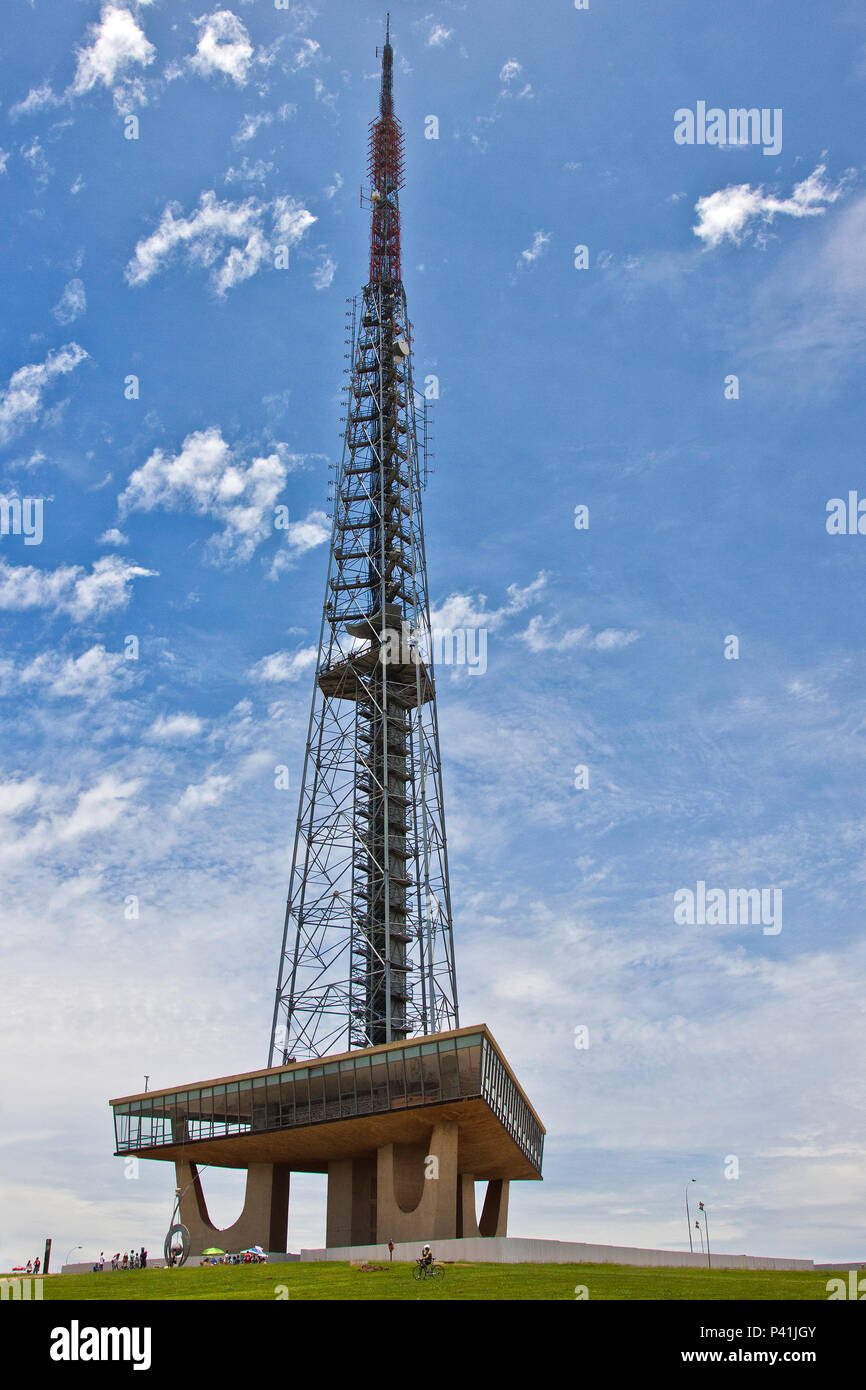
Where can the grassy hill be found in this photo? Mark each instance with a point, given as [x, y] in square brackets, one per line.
[487, 1282]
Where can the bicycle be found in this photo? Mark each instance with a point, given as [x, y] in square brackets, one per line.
[433, 1271]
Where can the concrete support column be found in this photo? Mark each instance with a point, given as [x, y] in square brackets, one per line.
[467, 1222]
[416, 1199]
[352, 1201]
[494, 1213]
[264, 1219]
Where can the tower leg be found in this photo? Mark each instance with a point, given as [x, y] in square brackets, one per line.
[264, 1219]
[494, 1213]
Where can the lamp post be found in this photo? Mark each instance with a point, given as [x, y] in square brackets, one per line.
[688, 1217]
[702, 1208]
[75, 1247]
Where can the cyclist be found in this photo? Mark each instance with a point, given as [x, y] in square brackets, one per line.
[426, 1259]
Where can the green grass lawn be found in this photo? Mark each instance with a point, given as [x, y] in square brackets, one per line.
[487, 1282]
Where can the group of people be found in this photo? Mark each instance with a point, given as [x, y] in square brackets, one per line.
[33, 1266]
[247, 1257]
[130, 1259]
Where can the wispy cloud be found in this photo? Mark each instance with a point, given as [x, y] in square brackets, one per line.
[283, 666]
[70, 589]
[532, 253]
[738, 211]
[21, 399]
[175, 728]
[92, 676]
[311, 531]
[72, 303]
[40, 98]
[323, 275]
[468, 611]
[204, 236]
[544, 635]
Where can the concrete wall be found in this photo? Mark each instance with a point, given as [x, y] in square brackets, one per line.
[511, 1250]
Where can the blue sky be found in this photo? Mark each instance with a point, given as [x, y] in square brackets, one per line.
[153, 778]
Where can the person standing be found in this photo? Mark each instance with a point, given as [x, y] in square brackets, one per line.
[142, 1259]
[37, 1265]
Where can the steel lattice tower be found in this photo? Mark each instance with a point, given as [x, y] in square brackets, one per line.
[367, 953]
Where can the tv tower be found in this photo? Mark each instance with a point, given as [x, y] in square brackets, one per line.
[371, 1078]
[367, 954]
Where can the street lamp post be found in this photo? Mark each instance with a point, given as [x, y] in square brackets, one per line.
[702, 1208]
[75, 1247]
[688, 1217]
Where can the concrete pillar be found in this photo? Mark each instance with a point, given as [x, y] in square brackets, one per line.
[352, 1201]
[417, 1199]
[494, 1213]
[467, 1223]
[264, 1219]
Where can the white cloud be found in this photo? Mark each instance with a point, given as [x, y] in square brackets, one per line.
[117, 45]
[438, 36]
[210, 792]
[732, 212]
[323, 275]
[113, 537]
[79, 886]
[464, 611]
[93, 675]
[70, 589]
[204, 235]
[223, 46]
[305, 54]
[21, 399]
[98, 808]
[613, 639]
[301, 536]
[35, 157]
[174, 728]
[283, 666]
[208, 477]
[252, 124]
[305, 535]
[37, 99]
[541, 635]
[72, 303]
[4, 160]
[249, 173]
[539, 241]
[510, 70]
[16, 796]
[812, 309]
[334, 188]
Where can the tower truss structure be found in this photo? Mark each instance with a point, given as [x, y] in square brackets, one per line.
[367, 955]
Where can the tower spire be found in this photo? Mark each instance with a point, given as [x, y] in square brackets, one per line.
[385, 168]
